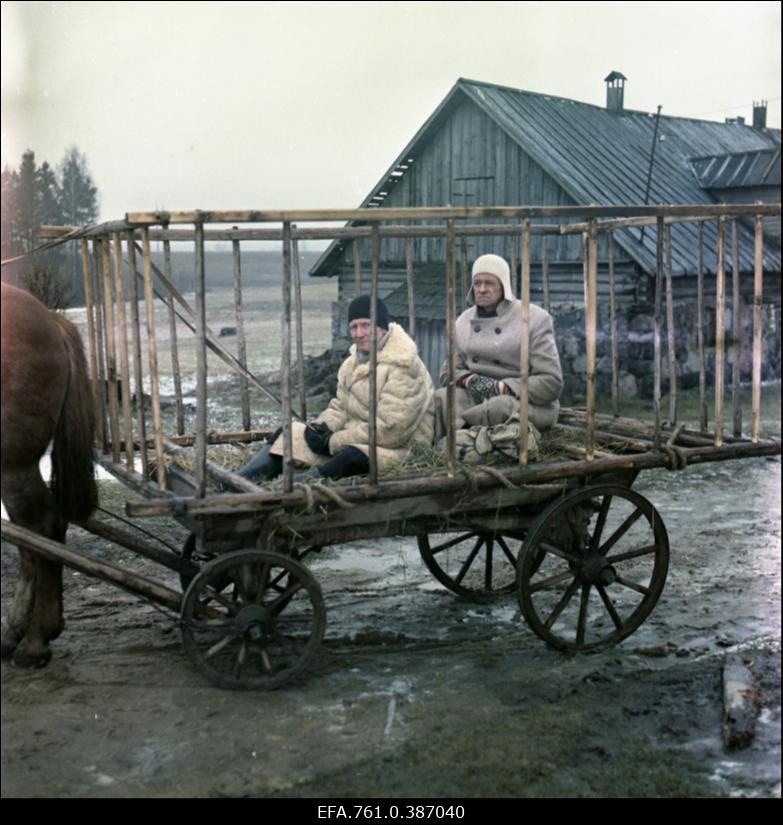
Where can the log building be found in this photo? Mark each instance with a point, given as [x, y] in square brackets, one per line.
[489, 145]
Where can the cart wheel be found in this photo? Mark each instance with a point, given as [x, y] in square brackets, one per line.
[475, 564]
[592, 568]
[252, 619]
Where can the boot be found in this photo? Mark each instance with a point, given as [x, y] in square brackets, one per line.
[263, 466]
[303, 478]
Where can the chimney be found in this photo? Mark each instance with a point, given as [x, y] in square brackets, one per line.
[760, 115]
[615, 85]
[739, 120]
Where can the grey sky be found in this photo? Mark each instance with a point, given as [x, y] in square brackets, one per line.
[296, 105]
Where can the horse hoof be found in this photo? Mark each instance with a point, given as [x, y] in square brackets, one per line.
[28, 660]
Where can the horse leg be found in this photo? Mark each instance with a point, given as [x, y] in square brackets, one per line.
[17, 620]
[36, 615]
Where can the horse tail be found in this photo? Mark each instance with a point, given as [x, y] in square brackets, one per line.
[73, 474]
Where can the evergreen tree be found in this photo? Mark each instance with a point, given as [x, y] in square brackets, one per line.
[8, 225]
[27, 203]
[33, 196]
[50, 211]
[78, 193]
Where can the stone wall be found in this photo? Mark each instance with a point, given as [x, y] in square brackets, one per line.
[636, 349]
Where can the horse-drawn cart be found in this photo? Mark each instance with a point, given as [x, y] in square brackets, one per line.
[585, 555]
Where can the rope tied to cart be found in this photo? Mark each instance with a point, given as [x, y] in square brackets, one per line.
[497, 475]
[678, 459]
[309, 491]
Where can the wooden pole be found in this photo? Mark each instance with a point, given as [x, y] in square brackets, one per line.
[373, 420]
[720, 329]
[103, 426]
[54, 551]
[175, 371]
[465, 269]
[411, 289]
[138, 374]
[524, 344]
[613, 327]
[161, 555]
[736, 326]
[111, 351]
[357, 265]
[703, 415]
[671, 331]
[657, 330]
[122, 329]
[241, 341]
[152, 355]
[442, 213]
[545, 271]
[516, 278]
[451, 315]
[201, 365]
[89, 303]
[757, 298]
[591, 331]
[299, 341]
[285, 328]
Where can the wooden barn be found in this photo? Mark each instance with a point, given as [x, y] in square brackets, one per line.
[489, 145]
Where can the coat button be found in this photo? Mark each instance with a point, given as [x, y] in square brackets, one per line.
[498, 330]
[475, 359]
[496, 362]
[476, 328]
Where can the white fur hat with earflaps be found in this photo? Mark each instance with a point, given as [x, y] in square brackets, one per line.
[492, 265]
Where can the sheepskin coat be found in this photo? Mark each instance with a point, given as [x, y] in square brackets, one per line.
[406, 411]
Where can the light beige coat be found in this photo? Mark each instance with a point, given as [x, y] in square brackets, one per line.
[405, 410]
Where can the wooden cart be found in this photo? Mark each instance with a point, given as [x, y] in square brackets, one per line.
[584, 553]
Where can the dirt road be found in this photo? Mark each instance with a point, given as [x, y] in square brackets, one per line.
[416, 693]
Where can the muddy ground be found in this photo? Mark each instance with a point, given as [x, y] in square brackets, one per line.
[416, 693]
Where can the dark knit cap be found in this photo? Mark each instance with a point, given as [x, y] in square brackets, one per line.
[360, 308]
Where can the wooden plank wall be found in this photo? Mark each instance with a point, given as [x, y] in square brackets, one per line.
[468, 145]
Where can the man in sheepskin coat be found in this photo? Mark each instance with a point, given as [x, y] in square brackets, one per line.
[336, 444]
[487, 338]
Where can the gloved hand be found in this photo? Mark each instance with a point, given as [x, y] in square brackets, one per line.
[481, 387]
[317, 436]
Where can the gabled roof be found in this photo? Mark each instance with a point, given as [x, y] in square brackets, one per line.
[598, 157]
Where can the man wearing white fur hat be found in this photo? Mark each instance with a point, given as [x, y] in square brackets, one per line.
[487, 339]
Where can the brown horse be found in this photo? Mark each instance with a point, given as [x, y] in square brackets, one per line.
[46, 394]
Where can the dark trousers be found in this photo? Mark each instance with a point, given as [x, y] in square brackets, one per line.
[348, 462]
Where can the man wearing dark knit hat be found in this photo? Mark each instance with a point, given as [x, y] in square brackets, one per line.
[336, 444]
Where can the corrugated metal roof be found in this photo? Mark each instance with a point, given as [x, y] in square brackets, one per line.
[739, 170]
[602, 157]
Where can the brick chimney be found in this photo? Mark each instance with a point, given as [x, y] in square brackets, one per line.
[615, 87]
[760, 114]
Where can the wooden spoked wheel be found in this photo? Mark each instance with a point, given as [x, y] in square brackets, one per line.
[475, 564]
[253, 619]
[592, 568]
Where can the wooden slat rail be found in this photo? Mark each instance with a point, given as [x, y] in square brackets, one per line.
[430, 485]
[440, 213]
[447, 223]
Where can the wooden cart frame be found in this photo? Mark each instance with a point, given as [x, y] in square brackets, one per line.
[586, 555]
